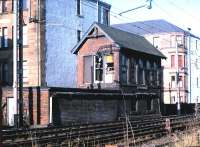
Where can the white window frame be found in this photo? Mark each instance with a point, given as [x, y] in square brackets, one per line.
[94, 63]
[110, 72]
[156, 41]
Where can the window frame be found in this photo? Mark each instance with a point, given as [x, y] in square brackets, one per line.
[101, 68]
[172, 61]
[79, 7]
[156, 41]
[173, 81]
[79, 35]
[109, 68]
[180, 61]
[25, 5]
[4, 8]
[179, 39]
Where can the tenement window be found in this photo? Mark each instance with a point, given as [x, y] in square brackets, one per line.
[172, 41]
[179, 39]
[103, 15]
[156, 42]
[3, 6]
[78, 7]
[173, 83]
[180, 79]
[180, 61]
[172, 61]
[79, 35]
[25, 4]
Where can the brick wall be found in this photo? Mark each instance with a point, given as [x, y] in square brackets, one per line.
[34, 50]
[97, 108]
[90, 47]
[36, 105]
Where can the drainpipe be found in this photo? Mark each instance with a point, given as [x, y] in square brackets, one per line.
[50, 110]
[189, 64]
[20, 44]
[15, 56]
[177, 81]
[38, 40]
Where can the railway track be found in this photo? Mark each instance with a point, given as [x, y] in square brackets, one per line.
[140, 129]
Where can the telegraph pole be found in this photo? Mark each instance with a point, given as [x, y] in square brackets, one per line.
[15, 56]
[177, 82]
[20, 65]
[190, 77]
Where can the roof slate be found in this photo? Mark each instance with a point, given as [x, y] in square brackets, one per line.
[151, 27]
[130, 41]
[124, 40]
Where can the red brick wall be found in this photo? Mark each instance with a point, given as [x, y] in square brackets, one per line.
[33, 52]
[36, 105]
[90, 47]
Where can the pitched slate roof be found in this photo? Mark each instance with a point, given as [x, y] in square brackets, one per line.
[151, 27]
[124, 40]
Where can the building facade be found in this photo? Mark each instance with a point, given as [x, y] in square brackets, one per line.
[176, 44]
[194, 69]
[109, 58]
[64, 28]
[50, 30]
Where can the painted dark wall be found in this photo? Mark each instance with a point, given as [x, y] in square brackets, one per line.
[87, 109]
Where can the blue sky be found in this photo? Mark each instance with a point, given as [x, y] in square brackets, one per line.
[183, 13]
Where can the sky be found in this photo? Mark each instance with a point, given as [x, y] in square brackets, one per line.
[183, 13]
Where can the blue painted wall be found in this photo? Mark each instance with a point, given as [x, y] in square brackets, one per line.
[62, 24]
[195, 70]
